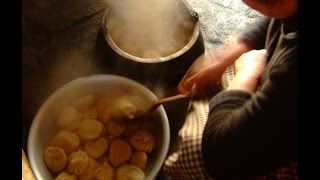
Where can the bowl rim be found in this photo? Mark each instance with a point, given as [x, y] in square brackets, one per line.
[100, 77]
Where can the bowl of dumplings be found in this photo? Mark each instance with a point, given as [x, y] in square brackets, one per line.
[87, 130]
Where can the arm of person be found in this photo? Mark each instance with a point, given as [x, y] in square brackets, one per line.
[207, 70]
[249, 133]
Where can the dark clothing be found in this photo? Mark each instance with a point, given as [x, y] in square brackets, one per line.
[249, 134]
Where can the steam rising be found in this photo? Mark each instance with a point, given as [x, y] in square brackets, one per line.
[150, 28]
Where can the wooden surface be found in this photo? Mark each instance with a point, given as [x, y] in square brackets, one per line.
[26, 171]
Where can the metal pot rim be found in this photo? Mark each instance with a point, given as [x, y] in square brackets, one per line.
[192, 41]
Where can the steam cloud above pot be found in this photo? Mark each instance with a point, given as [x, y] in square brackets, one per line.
[150, 29]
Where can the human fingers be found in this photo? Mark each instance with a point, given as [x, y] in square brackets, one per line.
[185, 85]
[251, 62]
[249, 68]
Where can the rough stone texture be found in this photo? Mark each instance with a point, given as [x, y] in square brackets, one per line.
[60, 41]
[220, 19]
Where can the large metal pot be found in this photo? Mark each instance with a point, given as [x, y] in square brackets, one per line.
[167, 70]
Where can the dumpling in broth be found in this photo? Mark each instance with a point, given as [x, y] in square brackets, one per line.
[69, 119]
[120, 152]
[116, 129]
[89, 173]
[104, 172]
[90, 114]
[67, 140]
[96, 148]
[66, 176]
[55, 159]
[123, 110]
[84, 103]
[78, 162]
[139, 159]
[129, 171]
[143, 141]
[90, 129]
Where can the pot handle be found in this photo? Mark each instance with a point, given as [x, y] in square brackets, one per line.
[193, 13]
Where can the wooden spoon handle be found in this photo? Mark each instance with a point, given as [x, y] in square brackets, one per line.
[171, 98]
[157, 103]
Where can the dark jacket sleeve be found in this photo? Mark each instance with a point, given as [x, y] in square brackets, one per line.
[256, 35]
[248, 134]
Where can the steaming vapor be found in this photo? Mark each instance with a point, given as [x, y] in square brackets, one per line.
[150, 28]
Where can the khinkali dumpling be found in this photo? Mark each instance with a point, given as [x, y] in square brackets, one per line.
[116, 129]
[55, 159]
[123, 110]
[78, 162]
[137, 101]
[104, 103]
[101, 104]
[139, 159]
[131, 129]
[104, 172]
[89, 173]
[66, 176]
[143, 141]
[90, 129]
[96, 148]
[120, 152]
[129, 172]
[90, 114]
[110, 137]
[84, 103]
[66, 140]
[69, 119]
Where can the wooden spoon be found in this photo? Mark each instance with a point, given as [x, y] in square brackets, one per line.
[155, 104]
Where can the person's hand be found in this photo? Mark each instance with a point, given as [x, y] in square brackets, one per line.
[203, 75]
[206, 71]
[248, 70]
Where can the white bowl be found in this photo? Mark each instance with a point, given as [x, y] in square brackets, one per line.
[44, 126]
